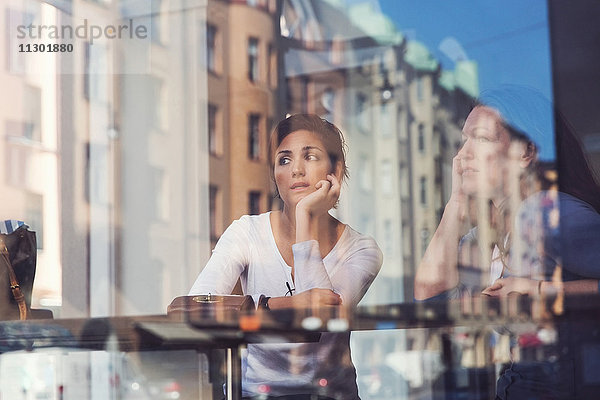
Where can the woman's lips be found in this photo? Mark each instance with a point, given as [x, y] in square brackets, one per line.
[299, 186]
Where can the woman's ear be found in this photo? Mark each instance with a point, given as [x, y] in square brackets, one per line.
[337, 171]
[529, 155]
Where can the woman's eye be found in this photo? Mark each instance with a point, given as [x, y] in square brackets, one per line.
[483, 139]
[311, 157]
[284, 161]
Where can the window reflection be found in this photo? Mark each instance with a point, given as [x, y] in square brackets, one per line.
[106, 164]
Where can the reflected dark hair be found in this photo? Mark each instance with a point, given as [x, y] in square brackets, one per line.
[328, 133]
[575, 176]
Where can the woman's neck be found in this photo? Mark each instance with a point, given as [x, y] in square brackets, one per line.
[325, 224]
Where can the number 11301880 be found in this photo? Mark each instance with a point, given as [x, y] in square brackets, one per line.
[45, 48]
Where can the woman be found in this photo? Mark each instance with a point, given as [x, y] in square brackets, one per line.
[300, 256]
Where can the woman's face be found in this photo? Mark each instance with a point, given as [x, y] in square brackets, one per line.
[301, 161]
[489, 160]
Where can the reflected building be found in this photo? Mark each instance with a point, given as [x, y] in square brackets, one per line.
[30, 145]
[243, 82]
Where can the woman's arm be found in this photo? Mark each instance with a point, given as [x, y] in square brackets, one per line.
[347, 283]
[227, 262]
[505, 286]
[438, 270]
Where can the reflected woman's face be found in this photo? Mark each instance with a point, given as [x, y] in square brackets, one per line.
[301, 160]
[489, 159]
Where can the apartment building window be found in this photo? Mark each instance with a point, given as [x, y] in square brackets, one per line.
[328, 103]
[211, 48]
[364, 173]
[254, 203]
[421, 138]
[386, 126]
[361, 112]
[386, 178]
[423, 190]
[213, 138]
[15, 62]
[35, 216]
[253, 59]
[159, 104]
[213, 193]
[253, 136]
[96, 66]
[19, 165]
[420, 89]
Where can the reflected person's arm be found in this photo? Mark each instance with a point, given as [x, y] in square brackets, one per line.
[505, 286]
[438, 270]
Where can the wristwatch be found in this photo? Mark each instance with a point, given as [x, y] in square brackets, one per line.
[263, 302]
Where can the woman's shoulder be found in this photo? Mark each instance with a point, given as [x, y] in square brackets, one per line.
[249, 224]
[352, 241]
[253, 219]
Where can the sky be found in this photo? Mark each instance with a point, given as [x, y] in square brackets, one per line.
[508, 39]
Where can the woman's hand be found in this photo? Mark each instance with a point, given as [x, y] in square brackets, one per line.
[316, 298]
[314, 205]
[458, 199]
[322, 199]
[505, 286]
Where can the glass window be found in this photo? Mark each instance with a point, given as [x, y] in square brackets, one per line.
[130, 156]
[253, 59]
[328, 103]
[254, 203]
[387, 184]
[421, 138]
[254, 136]
[362, 112]
[420, 89]
[387, 120]
[211, 48]
[365, 173]
[213, 138]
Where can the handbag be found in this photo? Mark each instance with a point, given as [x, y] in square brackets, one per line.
[18, 255]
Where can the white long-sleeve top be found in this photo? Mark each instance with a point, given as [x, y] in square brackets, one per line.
[247, 250]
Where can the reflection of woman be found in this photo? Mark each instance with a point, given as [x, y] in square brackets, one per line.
[301, 249]
[518, 232]
[522, 234]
